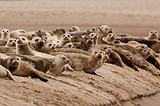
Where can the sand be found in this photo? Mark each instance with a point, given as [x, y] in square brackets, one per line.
[136, 17]
[117, 86]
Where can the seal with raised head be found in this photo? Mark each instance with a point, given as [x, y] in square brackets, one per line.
[153, 34]
[5, 34]
[22, 47]
[11, 43]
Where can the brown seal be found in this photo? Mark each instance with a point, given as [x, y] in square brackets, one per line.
[21, 68]
[11, 43]
[153, 34]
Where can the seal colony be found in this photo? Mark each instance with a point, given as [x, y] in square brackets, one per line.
[42, 53]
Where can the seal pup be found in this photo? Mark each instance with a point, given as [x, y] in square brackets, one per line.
[110, 37]
[36, 43]
[66, 38]
[94, 36]
[48, 48]
[5, 34]
[61, 62]
[11, 43]
[153, 34]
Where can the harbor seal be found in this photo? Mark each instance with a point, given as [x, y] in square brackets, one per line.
[11, 43]
[5, 34]
[22, 47]
[21, 68]
[153, 34]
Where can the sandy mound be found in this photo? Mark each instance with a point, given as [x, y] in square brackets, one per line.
[116, 85]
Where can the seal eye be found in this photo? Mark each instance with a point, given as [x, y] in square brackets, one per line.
[50, 44]
[39, 31]
[109, 34]
[127, 55]
[95, 52]
[64, 35]
[145, 50]
[37, 40]
[57, 41]
[100, 52]
[86, 38]
[70, 45]
[15, 40]
[12, 60]
[10, 41]
[92, 35]
[91, 38]
[50, 62]
[151, 32]
[7, 31]
[155, 32]
[23, 38]
[17, 58]
[63, 58]
[3, 30]
[54, 45]
[105, 48]
[32, 35]
[76, 38]
[93, 29]
[142, 46]
[68, 36]
[45, 37]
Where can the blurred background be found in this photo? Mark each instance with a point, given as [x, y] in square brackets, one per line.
[136, 17]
